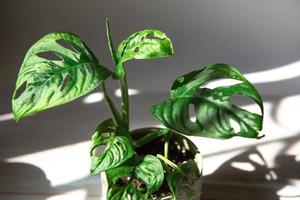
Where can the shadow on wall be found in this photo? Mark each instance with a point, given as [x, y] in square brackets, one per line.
[246, 176]
[24, 181]
[19, 180]
[249, 177]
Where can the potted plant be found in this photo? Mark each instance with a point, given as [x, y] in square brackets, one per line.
[150, 163]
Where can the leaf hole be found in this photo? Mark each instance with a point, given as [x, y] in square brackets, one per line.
[65, 82]
[152, 37]
[98, 150]
[122, 181]
[66, 45]
[245, 103]
[256, 158]
[139, 184]
[221, 82]
[20, 90]
[235, 125]
[192, 113]
[48, 55]
[31, 98]
[243, 166]
[136, 49]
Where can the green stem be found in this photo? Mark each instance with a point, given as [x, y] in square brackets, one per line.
[168, 162]
[166, 149]
[110, 43]
[125, 102]
[113, 108]
[123, 81]
[166, 145]
[149, 137]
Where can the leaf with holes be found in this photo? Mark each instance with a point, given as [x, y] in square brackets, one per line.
[135, 179]
[151, 172]
[57, 69]
[108, 150]
[215, 116]
[122, 183]
[146, 44]
[185, 184]
[104, 131]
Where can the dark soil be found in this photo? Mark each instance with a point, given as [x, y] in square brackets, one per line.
[178, 154]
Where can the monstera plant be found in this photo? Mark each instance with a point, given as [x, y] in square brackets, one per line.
[150, 163]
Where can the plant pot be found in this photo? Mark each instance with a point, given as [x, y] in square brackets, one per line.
[181, 150]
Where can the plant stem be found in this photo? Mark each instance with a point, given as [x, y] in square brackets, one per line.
[166, 149]
[113, 108]
[149, 137]
[166, 145]
[168, 162]
[123, 81]
[125, 101]
[110, 43]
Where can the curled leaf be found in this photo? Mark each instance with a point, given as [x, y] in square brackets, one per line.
[214, 112]
[146, 44]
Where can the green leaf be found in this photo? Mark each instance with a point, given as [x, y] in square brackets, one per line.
[185, 184]
[127, 168]
[127, 189]
[114, 149]
[215, 114]
[57, 69]
[146, 44]
[151, 172]
[125, 192]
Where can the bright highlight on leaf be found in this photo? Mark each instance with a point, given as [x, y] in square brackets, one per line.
[57, 69]
[151, 172]
[117, 149]
[213, 109]
[146, 44]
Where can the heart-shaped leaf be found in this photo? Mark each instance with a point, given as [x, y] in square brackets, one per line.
[108, 150]
[151, 172]
[57, 69]
[144, 44]
[215, 116]
[185, 184]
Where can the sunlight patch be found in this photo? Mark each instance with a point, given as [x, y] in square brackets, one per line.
[93, 98]
[6, 117]
[131, 92]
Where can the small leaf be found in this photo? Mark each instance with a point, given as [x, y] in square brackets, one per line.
[117, 149]
[151, 172]
[57, 69]
[125, 192]
[213, 109]
[120, 181]
[146, 44]
[127, 168]
[185, 185]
